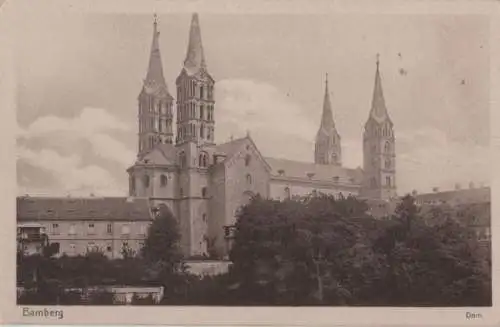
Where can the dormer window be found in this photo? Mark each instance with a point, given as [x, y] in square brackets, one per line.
[281, 172]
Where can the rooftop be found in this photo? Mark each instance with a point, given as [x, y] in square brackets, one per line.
[92, 208]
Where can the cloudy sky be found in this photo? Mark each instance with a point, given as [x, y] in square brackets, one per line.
[79, 77]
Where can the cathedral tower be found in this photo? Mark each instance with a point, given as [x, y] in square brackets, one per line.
[194, 144]
[195, 102]
[155, 102]
[379, 152]
[328, 148]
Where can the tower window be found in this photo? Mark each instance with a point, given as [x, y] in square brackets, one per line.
[203, 160]
[163, 180]
[201, 92]
[387, 147]
[204, 217]
[202, 111]
[146, 181]
[388, 181]
[249, 179]
[202, 131]
[387, 163]
[204, 192]
[182, 160]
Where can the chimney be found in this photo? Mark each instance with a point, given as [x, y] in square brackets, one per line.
[435, 189]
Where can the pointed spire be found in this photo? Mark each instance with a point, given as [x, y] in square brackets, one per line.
[378, 110]
[155, 68]
[327, 117]
[195, 59]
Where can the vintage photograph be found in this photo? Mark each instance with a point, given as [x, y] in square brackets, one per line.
[211, 159]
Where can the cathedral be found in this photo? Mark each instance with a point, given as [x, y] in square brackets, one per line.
[204, 183]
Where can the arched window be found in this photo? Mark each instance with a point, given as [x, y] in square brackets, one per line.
[387, 147]
[201, 92]
[163, 180]
[387, 163]
[287, 193]
[249, 179]
[202, 131]
[248, 158]
[204, 192]
[388, 181]
[132, 186]
[182, 160]
[203, 160]
[202, 111]
[145, 180]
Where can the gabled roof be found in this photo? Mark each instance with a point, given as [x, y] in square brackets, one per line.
[98, 208]
[230, 148]
[161, 154]
[312, 171]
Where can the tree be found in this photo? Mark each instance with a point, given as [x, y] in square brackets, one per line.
[161, 251]
[437, 264]
[302, 252]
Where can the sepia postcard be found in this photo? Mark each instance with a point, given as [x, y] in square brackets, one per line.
[264, 163]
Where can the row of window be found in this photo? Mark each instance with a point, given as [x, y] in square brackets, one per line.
[155, 125]
[190, 89]
[190, 130]
[157, 106]
[91, 229]
[387, 148]
[190, 110]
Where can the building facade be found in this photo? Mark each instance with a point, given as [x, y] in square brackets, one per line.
[79, 225]
[204, 183]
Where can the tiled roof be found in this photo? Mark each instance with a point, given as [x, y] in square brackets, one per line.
[230, 147]
[473, 195]
[307, 170]
[109, 208]
[161, 154]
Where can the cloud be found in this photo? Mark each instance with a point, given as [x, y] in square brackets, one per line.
[278, 125]
[57, 146]
[427, 158]
[281, 128]
[92, 125]
[69, 173]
